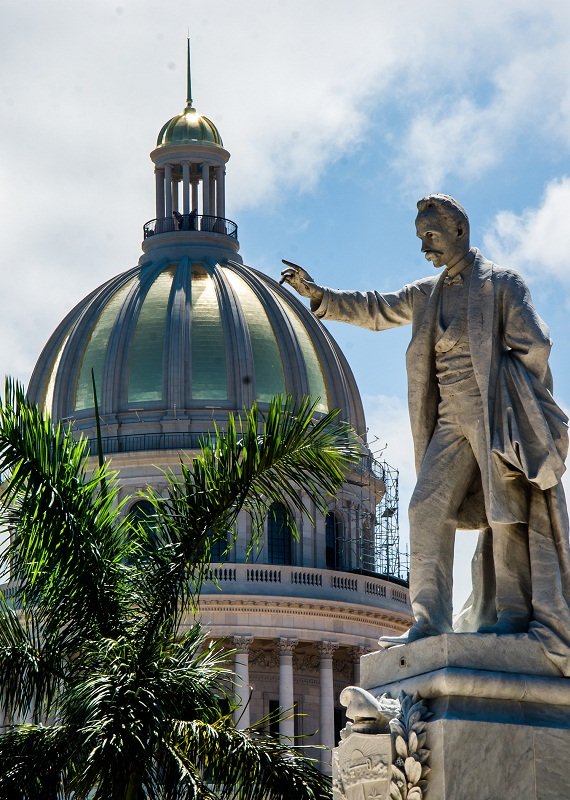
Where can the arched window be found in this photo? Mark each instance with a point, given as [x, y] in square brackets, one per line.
[142, 511]
[219, 550]
[279, 536]
[334, 531]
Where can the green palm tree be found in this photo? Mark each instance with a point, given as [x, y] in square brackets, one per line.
[103, 696]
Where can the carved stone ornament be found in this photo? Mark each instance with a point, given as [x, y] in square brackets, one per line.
[242, 644]
[267, 659]
[368, 714]
[371, 763]
[361, 767]
[410, 767]
[327, 649]
[287, 646]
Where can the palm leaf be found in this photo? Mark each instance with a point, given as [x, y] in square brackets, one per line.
[283, 456]
[246, 765]
[68, 543]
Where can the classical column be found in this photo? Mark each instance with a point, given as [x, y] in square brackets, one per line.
[205, 190]
[175, 195]
[243, 689]
[194, 194]
[159, 182]
[212, 192]
[168, 190]
[220, 192]
[286, 696]
[185, 187]
[356, 654]
[326, 728]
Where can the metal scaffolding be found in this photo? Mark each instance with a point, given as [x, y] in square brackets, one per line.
[367, 530]
[389, 559]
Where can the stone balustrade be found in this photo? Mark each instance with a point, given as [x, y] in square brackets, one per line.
[307, 582]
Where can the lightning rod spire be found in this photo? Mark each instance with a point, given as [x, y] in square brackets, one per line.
[188, 79]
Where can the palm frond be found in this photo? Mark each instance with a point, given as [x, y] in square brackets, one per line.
[285, 456]
[34, 759]
[68, 543]
[246, 765]
[30, 668]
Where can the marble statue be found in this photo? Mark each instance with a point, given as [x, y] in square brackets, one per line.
[490, 442]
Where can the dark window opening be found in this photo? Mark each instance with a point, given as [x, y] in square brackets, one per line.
[334, 531]
[279, 535]
[143, 513]
[273, 728]
[339, 723]
[219, 549]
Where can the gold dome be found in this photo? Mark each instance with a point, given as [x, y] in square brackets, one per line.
[189, 128]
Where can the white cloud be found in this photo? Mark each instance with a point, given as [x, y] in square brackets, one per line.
[537, 241]
[293, 87]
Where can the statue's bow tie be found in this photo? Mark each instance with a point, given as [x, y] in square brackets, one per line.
[452, 280]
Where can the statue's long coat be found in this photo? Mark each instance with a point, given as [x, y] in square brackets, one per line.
[525, 430]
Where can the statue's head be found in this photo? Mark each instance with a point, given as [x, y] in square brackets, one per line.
[443, 227]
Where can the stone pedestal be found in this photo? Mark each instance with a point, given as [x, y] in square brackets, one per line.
[501, 714]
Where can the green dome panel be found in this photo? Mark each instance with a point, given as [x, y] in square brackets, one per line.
[267, 363]
[96, 350]
[315, 377]
[146, 352]
[209, 372]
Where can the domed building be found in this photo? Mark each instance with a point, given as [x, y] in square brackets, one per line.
[175, 344]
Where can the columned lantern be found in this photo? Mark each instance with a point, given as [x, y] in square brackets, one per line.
[190, 170]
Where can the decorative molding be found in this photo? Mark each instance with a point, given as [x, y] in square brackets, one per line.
[306, 662]
[257, 678]
[378, 619]
[344, 668]
[410, 767]
[303, 680]
[242, 644]
[264, 658]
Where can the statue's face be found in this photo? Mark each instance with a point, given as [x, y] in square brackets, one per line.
[443, 243]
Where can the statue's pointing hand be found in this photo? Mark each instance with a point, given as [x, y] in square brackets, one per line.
[300, 280]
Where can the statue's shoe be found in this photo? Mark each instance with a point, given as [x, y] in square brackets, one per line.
[507, 624]
[419, 630]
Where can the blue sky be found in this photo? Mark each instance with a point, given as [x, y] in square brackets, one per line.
[338, 118]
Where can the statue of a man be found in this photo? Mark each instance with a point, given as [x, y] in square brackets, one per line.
[489, 440]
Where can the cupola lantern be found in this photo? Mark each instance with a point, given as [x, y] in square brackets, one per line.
[190, 169]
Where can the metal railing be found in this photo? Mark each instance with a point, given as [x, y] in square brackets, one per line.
[139, 442]
[190, 222]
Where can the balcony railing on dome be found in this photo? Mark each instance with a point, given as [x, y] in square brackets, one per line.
[205, 223]
[139, 442]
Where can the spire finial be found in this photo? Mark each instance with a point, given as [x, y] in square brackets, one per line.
[188, 78]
